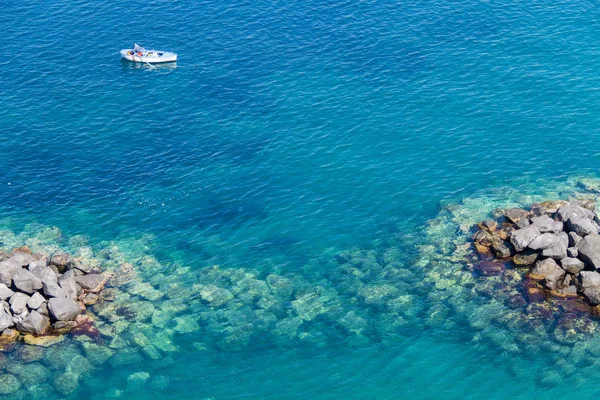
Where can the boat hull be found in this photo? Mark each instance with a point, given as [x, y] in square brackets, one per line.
[149, 56]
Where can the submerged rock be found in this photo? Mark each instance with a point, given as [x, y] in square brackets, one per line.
[9, 384]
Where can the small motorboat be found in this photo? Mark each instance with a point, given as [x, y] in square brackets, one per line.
[140, 54]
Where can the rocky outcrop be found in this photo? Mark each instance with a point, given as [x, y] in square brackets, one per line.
[559, 241]
[38, 296]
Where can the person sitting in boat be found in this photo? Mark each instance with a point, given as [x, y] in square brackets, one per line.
[137, 49]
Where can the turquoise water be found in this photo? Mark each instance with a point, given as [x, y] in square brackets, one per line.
[286, 134]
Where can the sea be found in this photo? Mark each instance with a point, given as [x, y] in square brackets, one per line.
[314, 140]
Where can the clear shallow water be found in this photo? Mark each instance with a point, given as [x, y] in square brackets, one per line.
[286, 131]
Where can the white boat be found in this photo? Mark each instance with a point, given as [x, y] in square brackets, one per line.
[140, 54]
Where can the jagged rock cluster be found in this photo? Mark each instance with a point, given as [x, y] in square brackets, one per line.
[43, 295]
[559, 240]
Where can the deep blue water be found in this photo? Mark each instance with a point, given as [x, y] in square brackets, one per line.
[285, 130]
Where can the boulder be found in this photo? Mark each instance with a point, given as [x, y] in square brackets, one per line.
[7, 270]
[589, 279]
[61, 261]
[574, 238]
[35, 301]
[22, 259]
[523, 223]
[63, 309]
[589, 250]
[547, 268]
[91, 282]
[544, 241]
[85, 268]
[581, 226]
[558, 251]
[593, 295]
[42, 262]
[526, 258]
[69, 287]
[572, 252]
[5, 319]
[490, 268]
[34, 323]
[489, 225]
[18, 302]
[521, 238]
[553, 281]
[573, 210]
[516, 214]
[5, 292]
[501, 251]
[43, 309]
[52, 289]
[26, 281]
[568, 291]
[550, 207]
[485, 238]
[572, 265]
[45, 274]
[547, 224]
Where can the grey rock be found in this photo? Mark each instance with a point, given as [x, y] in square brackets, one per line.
[523, 223]
[589, 279]
[18, 317]
[52, 289]
[69, 287]
[593, 295]
[5, 306]
[26, 281]
[574, 239]
[544, 241]
[45, 274]
[581, 226]
[42, 262]
[521, 238]
[501, 251]
[572, 252]
[23, 259]
[58, 325]
[5, 292]
[43, 309]
[588, 204]
[35, 301]
[557, 251]
[63, 309]
[547, 267]
[516, 214]
[552, 281]
[8, 269]
[547, 224]
[568, 290]
[91, 282]
[573, 210]
[69, 274]
[589, 250]
[34, 323]
[572, 265]
[5, 319]
[61, 261]
[18, 302]
[85, 268]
